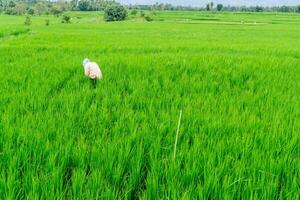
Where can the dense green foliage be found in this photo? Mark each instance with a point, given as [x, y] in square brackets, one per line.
[148, 18]
[237, 84]
[83, 5]
[66, 19]
[19, 7]
[115, 12]
[219, 7]
[211, 7]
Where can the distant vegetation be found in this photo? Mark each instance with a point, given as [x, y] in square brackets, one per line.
[39, 7]
[219, 7]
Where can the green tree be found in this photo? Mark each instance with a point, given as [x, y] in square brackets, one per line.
[63, 5]
[284, 9]
[11, 4]
[30, 11]
[219, 7]
[10, 11]
[115, 12]
[208, 7]
[259, 9]
[1, 6]
[298, 9]
[56, 11]
[40, 8]
[83, 5]
[211, 5]
[20, 8]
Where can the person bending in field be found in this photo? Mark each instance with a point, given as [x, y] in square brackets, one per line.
[92, 70]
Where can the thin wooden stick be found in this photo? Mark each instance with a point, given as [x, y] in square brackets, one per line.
[177, 133]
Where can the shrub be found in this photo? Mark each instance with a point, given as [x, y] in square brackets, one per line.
[27, 21]
[115, 12]
[19, 32]
[142, 14]
[30, 11]
[47, 22]
[10, 11]
[66, 19]
[56, 11]
[134, 12]
[148, 18]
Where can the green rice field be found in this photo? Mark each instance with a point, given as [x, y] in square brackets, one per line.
[234, 76]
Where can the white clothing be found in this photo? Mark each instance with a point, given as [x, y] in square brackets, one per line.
[92, 70]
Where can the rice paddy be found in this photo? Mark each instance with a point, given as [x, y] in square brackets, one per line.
[234, 76]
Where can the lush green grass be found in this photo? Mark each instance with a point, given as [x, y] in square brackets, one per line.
[237, 83]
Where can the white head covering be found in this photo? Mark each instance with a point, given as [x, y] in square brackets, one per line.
[85, 61]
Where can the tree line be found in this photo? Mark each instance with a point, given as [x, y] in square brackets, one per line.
[39, 7]
[218, 7]
[113, 11]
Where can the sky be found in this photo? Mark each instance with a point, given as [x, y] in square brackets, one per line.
[198, 3]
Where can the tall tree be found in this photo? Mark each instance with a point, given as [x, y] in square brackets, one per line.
[1, 5]
[40, 8]
[259, 9]
[83, 5]
[219, 7]
[11, 4]
[208, 7]
[20, 8]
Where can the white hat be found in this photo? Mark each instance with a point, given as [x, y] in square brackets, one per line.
[85, 61]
